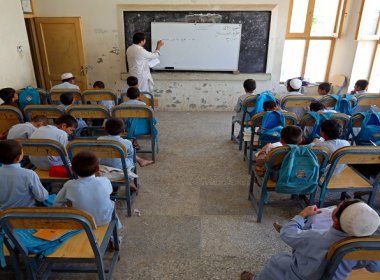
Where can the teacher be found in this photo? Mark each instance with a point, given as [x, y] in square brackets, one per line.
[138, 61]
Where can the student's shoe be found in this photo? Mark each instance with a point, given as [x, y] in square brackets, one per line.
[277, 226]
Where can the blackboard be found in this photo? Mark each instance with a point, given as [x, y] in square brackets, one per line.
[254, 36]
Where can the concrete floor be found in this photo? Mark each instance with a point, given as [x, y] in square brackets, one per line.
[196, 221]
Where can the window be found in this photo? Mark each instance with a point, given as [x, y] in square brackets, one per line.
[313, 26]
[367, 57]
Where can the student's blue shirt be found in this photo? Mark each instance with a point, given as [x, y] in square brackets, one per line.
[308, 260]
[115, 162]
[19, 187]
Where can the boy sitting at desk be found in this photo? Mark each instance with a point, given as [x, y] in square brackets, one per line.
[308, 258]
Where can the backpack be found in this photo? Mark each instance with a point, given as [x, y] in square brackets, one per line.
[261, 98]
[299, 171]
[272, 124]
[35, 245]
[29, 96]
[318, 120]
[370, 129]
[345, 103]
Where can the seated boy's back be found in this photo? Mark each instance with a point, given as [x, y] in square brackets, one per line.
[89, 193]
[19, 186]
[114, 127]
[66, 125]
[25, 130]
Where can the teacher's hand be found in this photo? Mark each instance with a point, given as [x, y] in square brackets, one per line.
[160, 43]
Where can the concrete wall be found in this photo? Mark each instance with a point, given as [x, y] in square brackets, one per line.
[16, 67]
[103, 35]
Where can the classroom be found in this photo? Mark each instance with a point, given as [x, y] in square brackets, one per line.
[196, 196]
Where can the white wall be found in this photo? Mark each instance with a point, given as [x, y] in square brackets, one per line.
[103, 35]
[16, 69]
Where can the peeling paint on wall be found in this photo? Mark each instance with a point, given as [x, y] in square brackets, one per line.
[115, 50]
[99, 60]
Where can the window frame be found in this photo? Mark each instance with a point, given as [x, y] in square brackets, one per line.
[306, 35]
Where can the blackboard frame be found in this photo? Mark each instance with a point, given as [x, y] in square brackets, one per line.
[255, 33]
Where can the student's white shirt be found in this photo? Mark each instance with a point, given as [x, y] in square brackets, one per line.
[65, 85]
[332, 146]
[239, 105]
[21, 131]
[20, 187]
[133, 102]
[91, 194]
[138, 64]
[53, 133]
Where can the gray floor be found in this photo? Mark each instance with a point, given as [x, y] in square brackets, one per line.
[196, 221]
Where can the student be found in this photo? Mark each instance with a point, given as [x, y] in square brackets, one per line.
[9, 96]
[293, 86]
[20, 187]
[88, 193]
[65, 125]
[67, 99]
[308, 258]
[99, 85]
[290, 134]
[132, 81]
[249, 86]
[133, 93]
[360, 87]
[68, 82]
[114, 127]
[324, 88]
[331, 130]
[25, 130]
[270, 105]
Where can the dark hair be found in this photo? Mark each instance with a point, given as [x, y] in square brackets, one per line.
[291, 134]
[315, 106]
[343, 205]
[325, 86]
[269, 105]
[362, 84]
[132, 81]
[9, 151]
[40, 118]
[85, 164]
[99, 84]
[114, 126]
[67, 98]
[133, 93]
[249, 85]
[332, 128]
[7, 94]
[69, 120]
[138, 37]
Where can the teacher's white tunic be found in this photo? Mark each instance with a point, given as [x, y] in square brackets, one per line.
[138, 63]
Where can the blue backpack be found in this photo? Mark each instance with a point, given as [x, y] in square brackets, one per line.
[370, 129]
[272, 124]
[318, 119]
[261, 98]
[345, 103]
[29, 96]
[299, 171]
[35, 245]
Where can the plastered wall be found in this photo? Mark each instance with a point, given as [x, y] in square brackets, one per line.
[103, 35]
[16, 67]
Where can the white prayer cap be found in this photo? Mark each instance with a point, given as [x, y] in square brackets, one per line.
[65, 76]
[359, 219]
[295, 83]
